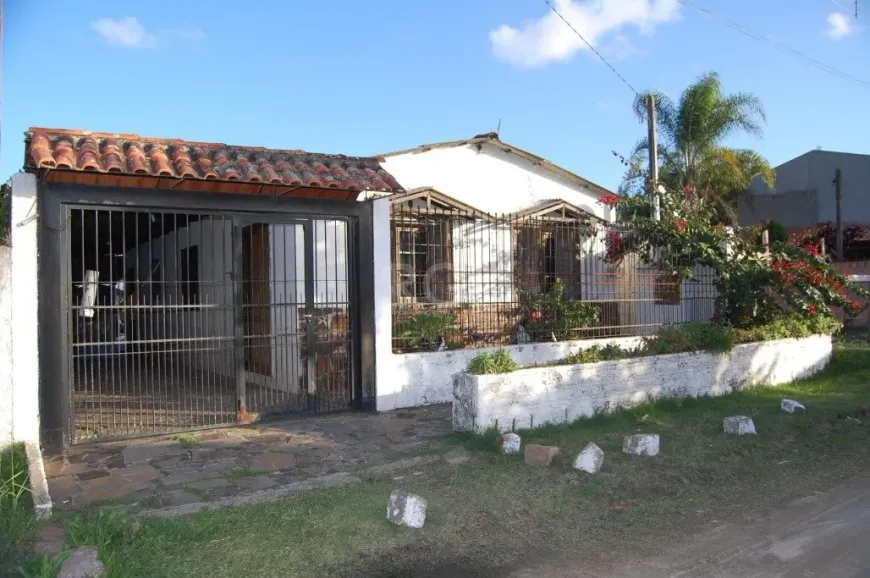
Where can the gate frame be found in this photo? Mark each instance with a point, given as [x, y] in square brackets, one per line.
[52, 247]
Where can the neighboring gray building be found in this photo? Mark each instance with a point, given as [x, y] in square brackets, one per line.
[804, 194]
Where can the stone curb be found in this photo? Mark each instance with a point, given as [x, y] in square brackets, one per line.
[38, 483]
[273, 495]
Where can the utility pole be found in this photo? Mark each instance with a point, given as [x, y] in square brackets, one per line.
[653, 157]
[838, 192]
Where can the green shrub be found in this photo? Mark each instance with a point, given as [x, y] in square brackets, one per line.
[597, 353]
[491, 363]
[691, 337]
[792, 327]
[424, 329]
[553, 314]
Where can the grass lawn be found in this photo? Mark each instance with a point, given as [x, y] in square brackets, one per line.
[493, 512]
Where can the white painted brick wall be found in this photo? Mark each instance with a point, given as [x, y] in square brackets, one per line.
[414, 379]
[561, 394]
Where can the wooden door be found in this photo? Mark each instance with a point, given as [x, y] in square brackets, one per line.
[256, 299]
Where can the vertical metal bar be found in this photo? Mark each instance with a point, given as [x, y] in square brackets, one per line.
[138, 364]
[123, 369]
[238, 329]
[226, 273]
[310, 338]
[165, 353]
[111, 359]
[95, 339]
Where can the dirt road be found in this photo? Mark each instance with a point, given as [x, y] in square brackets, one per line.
[823, 535]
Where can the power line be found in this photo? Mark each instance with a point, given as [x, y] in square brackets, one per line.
[592, 48]
[779, 46]
[844, 7]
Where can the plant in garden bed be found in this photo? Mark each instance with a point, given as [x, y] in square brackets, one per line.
[690, 337]
[423, 329]
[491, 363]
[598, 353]
[552, 314]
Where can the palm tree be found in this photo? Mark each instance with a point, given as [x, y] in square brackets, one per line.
[690, 148]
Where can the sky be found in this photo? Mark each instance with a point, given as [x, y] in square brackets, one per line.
[362, 78]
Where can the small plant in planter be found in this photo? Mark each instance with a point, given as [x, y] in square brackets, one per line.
[598, 353]
[491, 363]
[424, 330]
[551, 314]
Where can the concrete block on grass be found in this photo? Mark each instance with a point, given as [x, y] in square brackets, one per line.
[590, 459]
[540, 456]
[641, 445]
[739, 425]
[792, 406]
[508, 443]
[404, 509]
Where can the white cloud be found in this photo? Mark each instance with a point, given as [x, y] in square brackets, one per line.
[127, 31]
[839, 26]
[549, 39]
[124, 31]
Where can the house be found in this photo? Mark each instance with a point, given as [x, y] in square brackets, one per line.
[805, 192]
[162, 285]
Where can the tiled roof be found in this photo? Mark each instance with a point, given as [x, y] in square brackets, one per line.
[131, 154]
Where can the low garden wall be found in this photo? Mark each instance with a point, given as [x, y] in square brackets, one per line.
[415, 379]
[536, 396]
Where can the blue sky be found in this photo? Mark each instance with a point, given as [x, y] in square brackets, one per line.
[352, 77]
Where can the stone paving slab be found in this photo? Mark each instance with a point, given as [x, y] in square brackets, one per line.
[234, 462]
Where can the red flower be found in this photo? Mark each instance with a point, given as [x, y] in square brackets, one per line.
[681, 225]
[535, 315]
[688, 190]
[812, 309]
[609, 200]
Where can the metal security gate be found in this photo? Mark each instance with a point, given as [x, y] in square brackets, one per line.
[177, 320]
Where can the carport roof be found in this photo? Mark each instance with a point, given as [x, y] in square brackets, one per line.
[104, 158]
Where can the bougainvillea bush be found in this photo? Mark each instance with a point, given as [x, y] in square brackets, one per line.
[756, 284]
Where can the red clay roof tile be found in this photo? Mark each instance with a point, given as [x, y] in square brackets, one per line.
[80, 150]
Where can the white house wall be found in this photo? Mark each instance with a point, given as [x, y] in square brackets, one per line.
[492, 180]
[483, 262]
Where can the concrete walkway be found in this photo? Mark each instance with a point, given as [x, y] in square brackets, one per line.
[233, 462]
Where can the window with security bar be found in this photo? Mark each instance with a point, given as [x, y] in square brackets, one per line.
[422, 264]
